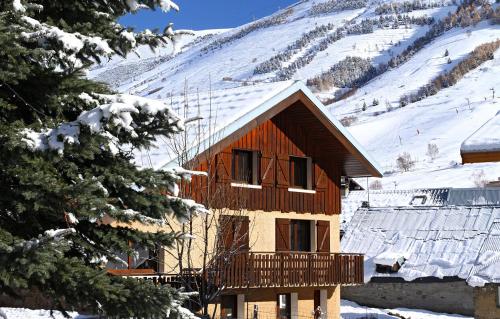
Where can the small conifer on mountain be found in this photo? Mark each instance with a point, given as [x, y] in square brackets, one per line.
[66, 159]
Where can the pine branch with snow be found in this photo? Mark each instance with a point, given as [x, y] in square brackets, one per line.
[71, 196]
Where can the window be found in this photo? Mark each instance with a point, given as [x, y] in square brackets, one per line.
[229, 307]
[300, 172]
[284, 306]
[300, 235]
[246, 167]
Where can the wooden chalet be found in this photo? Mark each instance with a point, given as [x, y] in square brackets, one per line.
[275, 166]
[484, 144]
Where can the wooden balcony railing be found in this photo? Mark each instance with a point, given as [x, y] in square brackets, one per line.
[287, 269]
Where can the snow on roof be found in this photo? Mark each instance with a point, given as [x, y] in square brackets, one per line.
[390, 258]
[439, 241]
[391, 198]
[486, 138]
[222, 113]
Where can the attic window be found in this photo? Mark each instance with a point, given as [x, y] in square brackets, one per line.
[388, 262]
[300, 172]
[418, 200]
[246, 167]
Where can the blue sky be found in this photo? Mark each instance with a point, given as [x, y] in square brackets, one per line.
[205, 14]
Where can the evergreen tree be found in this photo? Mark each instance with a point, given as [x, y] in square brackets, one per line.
[66, 159]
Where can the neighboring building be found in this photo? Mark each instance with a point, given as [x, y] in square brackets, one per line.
[484, 144]
[274, 158]
[444, 258]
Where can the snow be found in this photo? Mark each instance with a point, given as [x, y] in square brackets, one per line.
[437, 242]
[386, 131]
[348, 310]
[116, 109]
[25, 313]
[390, 258]
[486, 138]
[352, 310]
[18, 6]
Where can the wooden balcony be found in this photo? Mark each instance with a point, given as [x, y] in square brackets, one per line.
[287, 269]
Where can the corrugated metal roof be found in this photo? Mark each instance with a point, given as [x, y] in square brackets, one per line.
[474, 196]
[439, 241]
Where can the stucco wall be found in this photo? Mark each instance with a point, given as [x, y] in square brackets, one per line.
[261, 234]
[452, 297]
[485, 302]
[265, 299]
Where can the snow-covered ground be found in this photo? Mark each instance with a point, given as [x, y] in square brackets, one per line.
[351, 310]
[348, 309]
[24, 313]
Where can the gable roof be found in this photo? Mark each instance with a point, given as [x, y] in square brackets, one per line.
[226, 114]
[438, 242]
[484, 144]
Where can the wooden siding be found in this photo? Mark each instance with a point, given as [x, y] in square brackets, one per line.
[294, 132]
[480, 157]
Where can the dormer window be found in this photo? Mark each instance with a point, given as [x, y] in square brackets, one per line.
[300, 172]
[245, 167]
[389, 262]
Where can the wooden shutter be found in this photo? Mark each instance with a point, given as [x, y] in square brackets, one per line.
[241, 225]
[282, 170]
[226, 232]
[321, 179]
[282, 234]
[234, 232]
[323, 236]
[267, 165]
[223, 162]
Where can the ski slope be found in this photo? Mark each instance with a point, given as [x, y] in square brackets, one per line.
[385, 130]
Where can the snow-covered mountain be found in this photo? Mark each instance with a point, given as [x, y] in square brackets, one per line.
[390, 50]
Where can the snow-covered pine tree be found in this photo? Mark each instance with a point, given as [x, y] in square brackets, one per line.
[66, 151]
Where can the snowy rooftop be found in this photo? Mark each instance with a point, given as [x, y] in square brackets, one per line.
[436, 241]
[418, 198]
[217, 109]
[391, 198]
[212, 116]
[486, 138]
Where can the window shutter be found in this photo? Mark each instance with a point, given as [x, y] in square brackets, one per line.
[267, 165]
[283, 170]
[241, 227]
[223, 161]
[255, 167]
[226, 232]
[321, 182]
[323, 236]
[309, 173]
[282, 234]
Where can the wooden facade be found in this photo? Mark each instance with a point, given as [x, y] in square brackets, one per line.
[480, 157]
[294, 132]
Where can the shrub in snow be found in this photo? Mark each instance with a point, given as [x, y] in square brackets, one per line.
[432, 151]
[348, 120]
[479, 178]
[376, 185]
[404, 162]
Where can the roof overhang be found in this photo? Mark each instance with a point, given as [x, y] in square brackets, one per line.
[297, 91]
